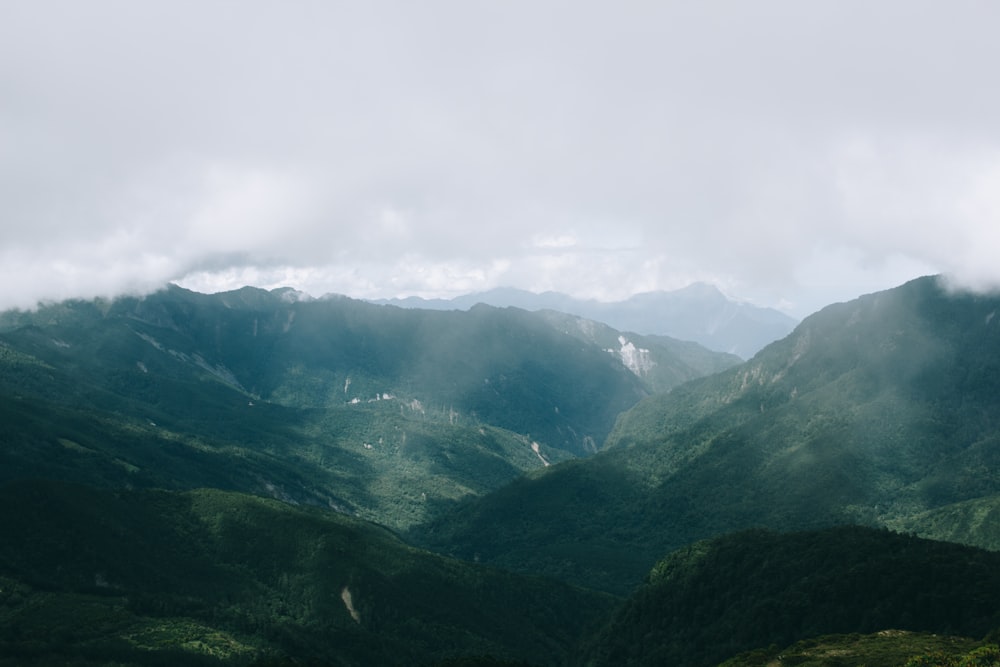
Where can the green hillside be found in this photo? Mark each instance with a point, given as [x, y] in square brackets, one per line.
[970, 522]
[751, 590]
[876, 412]
[369, 460]
[507, 368]
[92, 577]
[193, 479]
[387, 414]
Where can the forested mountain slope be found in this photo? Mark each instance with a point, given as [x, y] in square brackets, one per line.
[753, 589]
[503, 367]
[377, 411]
[92, 577]
[660, 361]
[875, 412]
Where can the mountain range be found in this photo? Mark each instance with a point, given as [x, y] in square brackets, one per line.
[380, 412]
[261, 478]
[884, 411]
[698, 312]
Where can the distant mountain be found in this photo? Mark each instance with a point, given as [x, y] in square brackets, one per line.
[883, 411]
[381, 412]
[699, 313]
[761, 590]
[137, 578]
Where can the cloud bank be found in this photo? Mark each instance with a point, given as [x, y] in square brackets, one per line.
[793, 153]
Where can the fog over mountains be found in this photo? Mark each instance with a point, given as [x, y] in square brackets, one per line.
[202, 465]
[698, 312]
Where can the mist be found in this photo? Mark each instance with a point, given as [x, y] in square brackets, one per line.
[791, 155]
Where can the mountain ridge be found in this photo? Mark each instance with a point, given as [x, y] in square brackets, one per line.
[698, 312]
[871, 412]
[388, 413]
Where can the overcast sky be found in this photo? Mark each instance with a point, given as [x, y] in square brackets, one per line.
[793, 153]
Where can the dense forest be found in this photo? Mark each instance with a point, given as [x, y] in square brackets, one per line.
[719, 597]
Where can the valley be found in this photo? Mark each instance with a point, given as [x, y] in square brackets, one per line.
[259, 477]
[878, 412]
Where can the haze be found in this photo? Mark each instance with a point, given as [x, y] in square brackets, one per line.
[791, 153]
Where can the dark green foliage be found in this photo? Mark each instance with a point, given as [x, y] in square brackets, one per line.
[753, 589]
[486, 661]
[588, 537]
[226, 578]
[983, 656]
[882, 411]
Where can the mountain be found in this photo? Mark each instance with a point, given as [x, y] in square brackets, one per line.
[376, 411]
[91, 577]
[755, 589]
[661, 362]
[189, 479]
[699, 313]
[883, 411]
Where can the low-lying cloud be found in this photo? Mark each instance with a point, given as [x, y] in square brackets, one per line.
[791, 153]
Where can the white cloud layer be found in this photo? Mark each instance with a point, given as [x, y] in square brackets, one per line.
[793, 153]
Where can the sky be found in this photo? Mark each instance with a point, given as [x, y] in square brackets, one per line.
[792, 153]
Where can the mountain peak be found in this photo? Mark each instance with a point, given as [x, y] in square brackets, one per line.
[700, 290]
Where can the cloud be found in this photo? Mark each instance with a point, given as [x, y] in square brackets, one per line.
[934, 203]
[384, 148]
